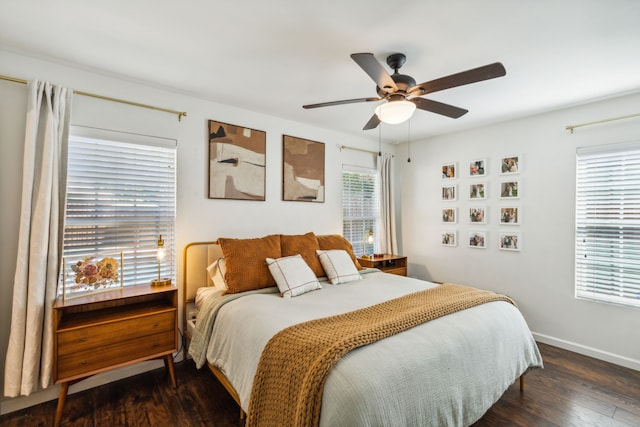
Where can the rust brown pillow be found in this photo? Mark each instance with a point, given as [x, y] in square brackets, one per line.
[306, 245]
[247, 262]
[336, 241]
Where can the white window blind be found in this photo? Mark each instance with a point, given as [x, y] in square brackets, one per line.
[121, 196]
[361, 209]
[608, 224]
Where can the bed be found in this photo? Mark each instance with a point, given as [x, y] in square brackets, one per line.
[447, 371]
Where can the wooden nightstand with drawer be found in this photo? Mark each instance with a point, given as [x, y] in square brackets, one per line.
[394, 264]
[102, 331]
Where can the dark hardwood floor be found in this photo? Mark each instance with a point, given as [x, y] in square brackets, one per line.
[572, 390]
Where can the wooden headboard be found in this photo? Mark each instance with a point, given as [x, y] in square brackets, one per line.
[196, 257]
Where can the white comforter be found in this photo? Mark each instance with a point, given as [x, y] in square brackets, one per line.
[446, 372]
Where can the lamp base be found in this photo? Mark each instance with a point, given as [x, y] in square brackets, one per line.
[161, 282]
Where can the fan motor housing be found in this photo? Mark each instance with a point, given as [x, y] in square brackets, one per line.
[403, 81]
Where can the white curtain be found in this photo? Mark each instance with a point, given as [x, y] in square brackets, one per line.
[30, 351]
[387, 240]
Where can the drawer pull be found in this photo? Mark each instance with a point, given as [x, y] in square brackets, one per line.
[155, 325]
[83, 340]
[83, 362]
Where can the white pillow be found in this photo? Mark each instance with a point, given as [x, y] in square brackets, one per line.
[216, 271]
[292, 275]
[338, 265]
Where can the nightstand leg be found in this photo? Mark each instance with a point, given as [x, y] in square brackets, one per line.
[64, 388]
[168, 364]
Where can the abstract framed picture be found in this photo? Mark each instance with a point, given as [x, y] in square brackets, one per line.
[510, 215]
[302, 170]
[510, 190]
[478, 191]
[478, 167]
[449, 238]
[450, 170]
[478, 215]
[449, 215]
[510, 241]
[510, 165]
[237, 162]
[450, 193]
[477, 239]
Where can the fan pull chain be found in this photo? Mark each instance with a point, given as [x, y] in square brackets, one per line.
[380, 139]
[409, 142]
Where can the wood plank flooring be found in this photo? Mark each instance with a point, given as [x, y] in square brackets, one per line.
[572, 390]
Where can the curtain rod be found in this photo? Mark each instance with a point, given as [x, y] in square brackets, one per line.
[346, 147]
[180, 114]
[572, 127]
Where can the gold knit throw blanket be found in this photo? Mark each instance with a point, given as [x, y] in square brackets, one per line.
[287, 387]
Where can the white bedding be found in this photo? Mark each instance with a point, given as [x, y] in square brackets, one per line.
[448, 371]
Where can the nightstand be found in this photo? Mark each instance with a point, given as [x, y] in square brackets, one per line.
[106, 330]
[394, 264]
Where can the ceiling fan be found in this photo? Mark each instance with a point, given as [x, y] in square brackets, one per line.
[401, 93]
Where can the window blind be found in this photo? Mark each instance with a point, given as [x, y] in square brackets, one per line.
[608, 224]
[121, 196]
[360, 207]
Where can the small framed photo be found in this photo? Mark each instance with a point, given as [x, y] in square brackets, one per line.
[510, 190]
[510, 165]
[510, 215]
[450, 170]
[450, 215]
[478, 167]
[477, 239]
[510, 241]
[478, 191]
[450, 193]
[478, 215]
[449, 238]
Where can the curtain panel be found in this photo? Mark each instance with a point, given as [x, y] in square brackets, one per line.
[30, 350]
[388, 239]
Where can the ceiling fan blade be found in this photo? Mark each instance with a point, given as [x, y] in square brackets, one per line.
[479, 74]
[439, 107]
[345, 101]
[373, 122]
[375, 70]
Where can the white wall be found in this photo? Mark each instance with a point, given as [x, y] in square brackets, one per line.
[198, 218]
[540, 277]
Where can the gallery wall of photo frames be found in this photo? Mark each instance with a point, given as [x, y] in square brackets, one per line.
[481, 187]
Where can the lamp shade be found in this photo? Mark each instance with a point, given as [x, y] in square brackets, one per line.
[394, 112]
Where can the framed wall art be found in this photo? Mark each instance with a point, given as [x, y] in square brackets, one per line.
[302, 170]
[478, 191]
[449, 170]
[478, 215]
[477, 239]
[478, 167]
[450, 193]
[237, 162]
[510, 215]
[510, 165]
[449, 215]
[510, 190]
[449, 238]
[510, 241]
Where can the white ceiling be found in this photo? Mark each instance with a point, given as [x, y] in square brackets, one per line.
[273, 56]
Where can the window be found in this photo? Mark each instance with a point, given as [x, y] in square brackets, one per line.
[608, 224]
[121, 196]
[360, 208]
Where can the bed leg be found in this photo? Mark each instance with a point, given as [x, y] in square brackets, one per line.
[242, 415]
[521, 383]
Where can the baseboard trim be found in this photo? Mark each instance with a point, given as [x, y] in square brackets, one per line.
[588, 351]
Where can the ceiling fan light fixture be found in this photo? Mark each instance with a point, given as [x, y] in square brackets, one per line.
[394, 112]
